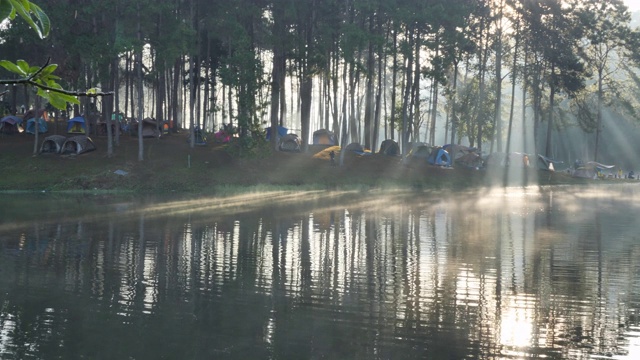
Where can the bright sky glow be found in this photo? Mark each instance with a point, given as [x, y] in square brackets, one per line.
[634, 5]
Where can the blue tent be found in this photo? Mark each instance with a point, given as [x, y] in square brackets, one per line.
[282, 131]
[31, 126]
[76, 125]
[200, 137]
[10, 125]
[439, 157]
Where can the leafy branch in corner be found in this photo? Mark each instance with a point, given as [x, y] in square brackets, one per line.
[43, 79]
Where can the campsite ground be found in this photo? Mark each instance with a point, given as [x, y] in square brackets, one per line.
[171, 165]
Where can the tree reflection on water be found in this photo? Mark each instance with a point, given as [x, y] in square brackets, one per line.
[507, 273]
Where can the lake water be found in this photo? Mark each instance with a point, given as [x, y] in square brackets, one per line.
[497, 274]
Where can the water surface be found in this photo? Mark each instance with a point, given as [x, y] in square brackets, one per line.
[503, 274]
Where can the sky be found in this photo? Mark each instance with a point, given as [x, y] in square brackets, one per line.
[634, 5]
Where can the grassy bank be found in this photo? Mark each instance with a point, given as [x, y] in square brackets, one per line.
[170, 165]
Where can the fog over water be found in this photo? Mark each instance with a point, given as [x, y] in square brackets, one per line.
[495, 273]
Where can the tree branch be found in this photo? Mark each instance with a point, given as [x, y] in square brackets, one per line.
[29, 81]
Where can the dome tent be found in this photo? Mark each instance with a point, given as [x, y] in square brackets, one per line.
[31, 126]
[324, 137]
[290, 143]
[389, 147]
[10, 125]
[52, 144]
[76, 125]
[77, 145]
[439, 157]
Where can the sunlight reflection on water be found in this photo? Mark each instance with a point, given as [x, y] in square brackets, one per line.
[516, 272]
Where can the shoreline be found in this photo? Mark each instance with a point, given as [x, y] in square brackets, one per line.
[171, 166]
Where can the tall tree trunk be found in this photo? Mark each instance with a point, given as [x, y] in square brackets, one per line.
[452, 110]
[405, 99]
[434, 103]
[192, 100]
[36, 127]
[305, 107]
[177, 123]
[368, 110]
[514, 78]
[497, 119]
[394, 79]
[599, 115]
[336, 117]
[478, 114]
[345, 117]
[378, 105]
[306, 85]
[108, 105]
[327, 94]
[193, 61]
[353, 126]
[525, 83]
[160, 97]
[414, 125]
[552, 94]
[275, 95]
[115, 73]
[140, 85]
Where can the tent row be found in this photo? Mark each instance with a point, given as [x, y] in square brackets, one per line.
[449, 155]
[286, 142]
[75, 145]
[11, 124]
[14, 125]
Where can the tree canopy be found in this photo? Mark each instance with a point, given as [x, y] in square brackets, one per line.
[367, 70]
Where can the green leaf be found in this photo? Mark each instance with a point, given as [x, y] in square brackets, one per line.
[23, 8]
[11, 67]
[43, 19]
[24, 66]
[57, 101]
[5, 10]
[68, 98]
[43, 94]
[48, 70]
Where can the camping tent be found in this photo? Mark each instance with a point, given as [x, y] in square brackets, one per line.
[10, 125]
[545, 163]
[200, 137]
[76, 125]
[77, 145]
[221, 136]
[458, 151]
[470, 160]
[290, 143]
[149, 128]
[592, 170]
[420, 152]
[355, 147]
[52, 144]
[225, 133]
[31, 126]
[439, 157]
[282, 131]
[324, 137]
[389, 147]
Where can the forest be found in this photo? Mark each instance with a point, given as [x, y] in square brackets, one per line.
[498, 75]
